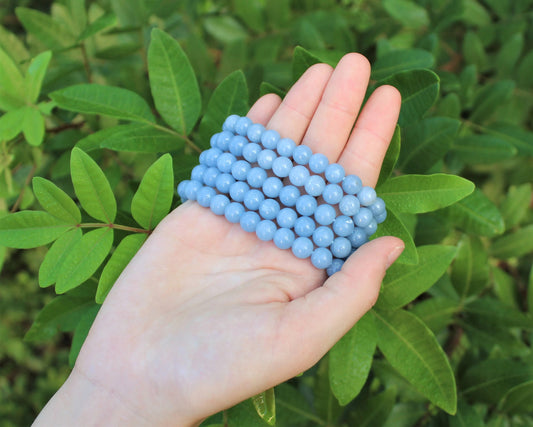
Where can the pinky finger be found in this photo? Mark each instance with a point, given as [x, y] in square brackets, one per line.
[264, 108]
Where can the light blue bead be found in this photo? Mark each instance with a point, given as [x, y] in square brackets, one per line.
[302, 247]
[197, 172]
[335, 266]
[304, 226]
[363, 217]
[218, 204]
[325, 214]
[223, 140]
[272, 186]
[352, 184]
[282, 167]
[343, 225]
[341, 247]
[286, 217]
[255, 132]
[265, 159]
[249, 221]
[192, 188]
[205, 195]
[252, 199]
[237, 144]
[229, 123]
[381, 217]
[284, 238]
[270, 139]
[298, 175]
[302, 154]
[213, 140]
[202, 156]
[223, 182]
[349, 205]
[358, 237]
[251, 151]
[318, 163]
[314, 186]
[233, 212]
[269, 209]
[332, 194]
[371, 228]
[321, 258]
[240, 169]
[242, 125]
[210, 176]
[306, 205]
[225, 161]
[323, 236]
[286, 147]
[238, 190]
[334, 173]
[211, 156]
[289, 195]
[256, 177]
[265, 230]
[181, 190]
[377, 208]
[367, 196]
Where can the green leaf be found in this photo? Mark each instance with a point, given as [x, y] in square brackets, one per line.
[103, 22]
[11, 84]
[92, 187]
[152, 201]
[266, 88]
[391, 156]
[244, 414]
[504, 287]
[55, 201]
[436, 313]
[326, 405]
[518, 399]
[403, 283]
[401, 60]
[250, 11]
[35, 75]
[122, 255]
[173, 83]
[301, 61]
[374, 410]
[530, 291]
[105, 100]
[516, 205]
[426, 142]
[53, 261]
[419, 90]
[265, 405]
[470, 272]
[11, 123]
[30, 229]
[85, 258]
[393, 226]
[47, 30]
[13, 46]
[224, 28]
[509, 53]
[424, 193]
[521, 138]
[33, 126]
[474, 51]
[490, 98]
[81, 332]
[515, 244]
[412, 349]
[292, 408]
[350, 360]
[476, 214]
[492, 312]
[466, 417]
[406, 12]
[479, 149]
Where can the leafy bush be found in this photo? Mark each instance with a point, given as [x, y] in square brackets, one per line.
[95, 95]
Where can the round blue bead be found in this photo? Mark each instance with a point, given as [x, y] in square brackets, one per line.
[269, 209]
[332, 194]
[367, 196]
[233, 212]
[223, 140]
[197, 172]
[358, 237]
[363, 217]
[238, 190]
[335, 266]
[251, 151]
[352, 184]
[223, 182]
[240, 169]
[204, 196]
[265, 230]
[306, 205]
[265, 159]
[249, 221]
[341, 247]
[282, 167]
[377, 208]
[242, 125]
[371, 228]
[302, 247]
[284, 238]
[192, 188]
[334, 173]
[210, 176]
[286, 147]
[325, 214]
[225, 161]
[218, 204]
[255, 132]
[211, 156]
[381, 217]
[298, 175]
[289, 195]
[256, 177]
[315, 185]
[286, 217]
[236, 145]
[343, 225]
[318, 163]
[302, 154]
[270, 139]
[202, 156]
[349, 205]
[229, 123]
[323, 236]
[181, 189]
[213, 140]
[272, 186]
[252, 199]
[304, 226]
[321, 258]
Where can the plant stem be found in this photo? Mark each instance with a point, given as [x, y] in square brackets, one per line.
[114, 226]
[173, 132]
[86, 64]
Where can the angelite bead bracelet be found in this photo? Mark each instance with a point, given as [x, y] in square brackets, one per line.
[285, 193]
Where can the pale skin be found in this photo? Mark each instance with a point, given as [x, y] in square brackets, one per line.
[206, 315]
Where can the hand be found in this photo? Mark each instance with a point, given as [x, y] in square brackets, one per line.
[207, 315]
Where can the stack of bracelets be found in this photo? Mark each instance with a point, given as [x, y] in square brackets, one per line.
[283, 192]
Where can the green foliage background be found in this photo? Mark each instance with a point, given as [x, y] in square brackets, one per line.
[87, 118]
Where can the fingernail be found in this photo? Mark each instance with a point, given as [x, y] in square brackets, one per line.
[394, 254]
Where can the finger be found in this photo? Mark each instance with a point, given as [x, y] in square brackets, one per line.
[335, 115]
[292, 117]
[371, 135]
[264, 108]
